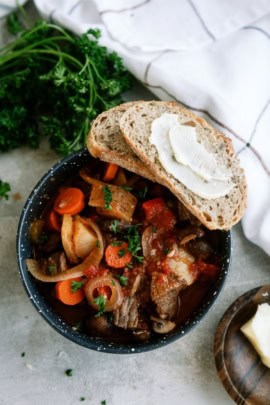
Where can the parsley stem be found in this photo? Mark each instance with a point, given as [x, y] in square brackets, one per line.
[41, 51]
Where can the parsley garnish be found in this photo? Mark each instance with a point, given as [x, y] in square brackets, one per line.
[154, 229]
[69, 372]
[116, 243]
[103, 402]
[126, 188]
[76, 285]
[129, 265]
[51, 268]
[142, 193]
[82, 399]
[122, 252]
[66, 79]
[113, 283]
[114, 225]
[100, 301]
[98, 243]
[23, 354]
[134, 241]
[123, 280]
[107, 197]
[166, 250]
[4, 187]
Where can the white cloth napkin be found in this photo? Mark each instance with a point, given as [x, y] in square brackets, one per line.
[212, 56]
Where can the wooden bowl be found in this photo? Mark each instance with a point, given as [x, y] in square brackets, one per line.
[240, 369]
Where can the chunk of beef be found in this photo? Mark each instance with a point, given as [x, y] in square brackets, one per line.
[165, 288]
[164, 293]
[200, 249]
[127, 316]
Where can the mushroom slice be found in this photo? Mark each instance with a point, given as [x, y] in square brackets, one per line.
[162, 326]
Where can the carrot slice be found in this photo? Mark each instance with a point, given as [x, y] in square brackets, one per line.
[118, 256]
[110, 171]
[66, 294]
[54, 222]
[69, 201]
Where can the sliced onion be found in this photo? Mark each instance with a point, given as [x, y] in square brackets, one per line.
[84, 238]
[93, 259]
[67, 238]
[116, 297]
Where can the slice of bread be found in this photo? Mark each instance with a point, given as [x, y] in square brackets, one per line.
[219, 213]
[105, 141]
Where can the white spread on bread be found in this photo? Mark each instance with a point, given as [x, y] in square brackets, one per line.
[187, 160]
[257, 331]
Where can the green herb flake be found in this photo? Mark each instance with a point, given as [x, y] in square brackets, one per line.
[69, 372]
[126, 188]
[100, 301]
[122, 252]
[154, 229]
[166, 250]
[129, 266]
[82, 399]
[113, 283]
[134, 242]
[4, 188]
[98, 243]
[123, 280]
[104, 402]
[117, 243]
[107, 197]
[142, 193]
[114, 225]
[22, 354]
[76, 285]
[51, 268]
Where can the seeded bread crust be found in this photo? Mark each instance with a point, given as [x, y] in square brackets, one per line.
[219, 213]
[105, 141]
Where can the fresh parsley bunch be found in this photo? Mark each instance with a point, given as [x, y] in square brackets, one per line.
[54, 83]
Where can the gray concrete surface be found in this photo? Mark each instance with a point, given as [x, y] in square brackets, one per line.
[179, 374]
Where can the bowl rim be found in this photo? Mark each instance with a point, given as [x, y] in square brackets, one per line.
[87, 341]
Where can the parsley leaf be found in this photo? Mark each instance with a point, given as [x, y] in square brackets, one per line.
[114, 225]
[98, 243]
[134, 242]
[103, 402]
[100, 301]
[76, 285]
[126, 188]
[123, 280]
[51, 268]
[142, 193]
[69, 372]
[107, 197]
[122, 252]
[4, 189]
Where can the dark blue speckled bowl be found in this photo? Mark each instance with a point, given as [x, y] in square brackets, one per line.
[33, 208]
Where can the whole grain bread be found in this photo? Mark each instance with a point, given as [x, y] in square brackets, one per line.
[219, 213]
[105, 141]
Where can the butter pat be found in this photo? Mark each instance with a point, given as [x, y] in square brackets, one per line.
[189, 152]
[257, 331]
[187, 160]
